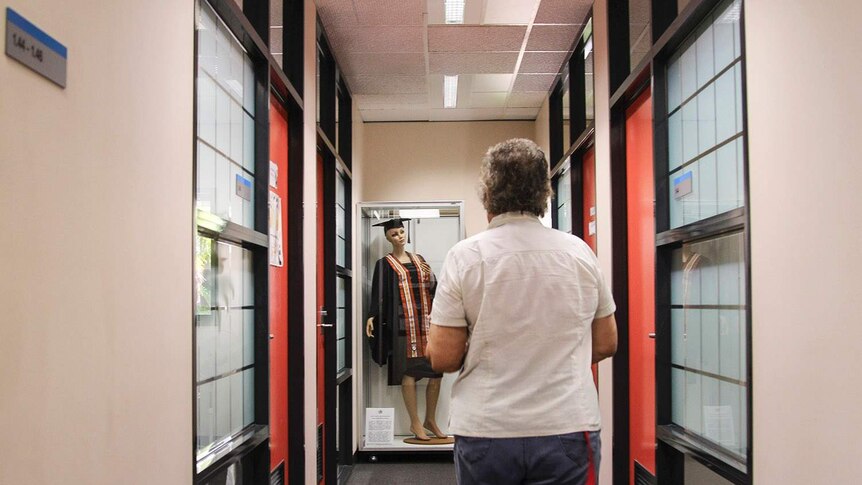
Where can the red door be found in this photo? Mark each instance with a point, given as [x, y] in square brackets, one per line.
[588, 171]
[278, 296]
[641, 267]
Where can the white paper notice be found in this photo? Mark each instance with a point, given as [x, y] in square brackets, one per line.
[273, 174]
[379, 426]
[592, 228]
[276, 246]
[593, 211]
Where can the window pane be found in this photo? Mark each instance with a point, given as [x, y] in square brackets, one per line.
[589, 88]
[708, 336]
[567, 108]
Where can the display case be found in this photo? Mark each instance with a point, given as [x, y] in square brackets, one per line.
[430, 229]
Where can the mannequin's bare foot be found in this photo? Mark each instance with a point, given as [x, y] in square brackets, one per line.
[417, 431]
[432, 427]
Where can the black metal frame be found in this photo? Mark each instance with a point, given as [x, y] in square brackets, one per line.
[669, 31]
[581, 132]
[334, 143]
[251, 27]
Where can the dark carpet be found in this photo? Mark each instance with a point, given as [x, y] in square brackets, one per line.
[423, 473]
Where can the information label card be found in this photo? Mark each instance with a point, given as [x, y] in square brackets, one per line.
[32, 47]
[379, 426]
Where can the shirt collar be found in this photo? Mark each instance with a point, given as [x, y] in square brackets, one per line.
[508, 217]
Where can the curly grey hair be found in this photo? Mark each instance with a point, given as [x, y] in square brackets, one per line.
[514, 178]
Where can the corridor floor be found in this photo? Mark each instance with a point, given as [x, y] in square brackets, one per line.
[423, 473]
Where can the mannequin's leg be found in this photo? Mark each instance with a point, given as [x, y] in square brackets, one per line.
[408, 390]
[432, 395]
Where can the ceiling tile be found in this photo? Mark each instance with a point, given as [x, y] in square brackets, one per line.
[552, 37]
[389, 12]
[487, 83]
[527, 99]
[533, 82]
[406, 64]
[488, 100]
[475, 38]
[521, 113]
[509, 12]
[465, 114]
[377, 39]
[389, 85]
[405, 114]
[563, 11]
[391, 101]
[472, 62]
[336, 13]
[542, 62]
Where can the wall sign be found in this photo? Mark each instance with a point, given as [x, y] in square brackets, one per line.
[243, 187]
[37, 50]
[682, 185]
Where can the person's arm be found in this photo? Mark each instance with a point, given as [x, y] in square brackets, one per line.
[446, 348]
[604, 337]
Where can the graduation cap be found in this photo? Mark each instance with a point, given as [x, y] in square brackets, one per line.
[392, 224]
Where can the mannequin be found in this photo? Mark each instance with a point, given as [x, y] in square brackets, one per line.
[402, 290]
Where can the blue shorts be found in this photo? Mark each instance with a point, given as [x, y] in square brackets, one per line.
[565, 459]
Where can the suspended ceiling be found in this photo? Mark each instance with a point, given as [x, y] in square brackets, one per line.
[394, 54]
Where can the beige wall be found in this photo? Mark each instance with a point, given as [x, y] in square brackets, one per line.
[96, 249]
[804, 145]
[432, 161]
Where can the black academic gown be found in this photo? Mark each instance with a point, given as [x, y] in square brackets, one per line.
[388, 341]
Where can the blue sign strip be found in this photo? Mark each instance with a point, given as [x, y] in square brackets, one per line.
[682, 178]
[37, 33]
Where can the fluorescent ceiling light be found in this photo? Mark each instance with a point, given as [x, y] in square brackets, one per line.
[454, 11]
[419, 213]
[450, 91]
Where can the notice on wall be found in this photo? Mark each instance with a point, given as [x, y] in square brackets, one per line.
[593, 211]
[273, 174]
[379, 426]
[276, 245]
[592, 228]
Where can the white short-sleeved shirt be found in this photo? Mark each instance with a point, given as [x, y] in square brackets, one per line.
[528, 296]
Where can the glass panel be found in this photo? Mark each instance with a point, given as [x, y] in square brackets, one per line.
[222, 121]
[340, 292]
[248, 143]
[341, 354]
[706, 119]
[247, 337]
[222, 410]
[589, 88]
[567, 115]
[688, 67]
[709, 340]
[206, 415]
[236, 402]
[640, 33]
[248, 85]
[709, 334]
[704, 49]
[205, 329]
[692, 402]
[564, 194]
[689, 130]
[236, 131]
[674, 127]
[685, 196]
[340, 323]
[708, 184]
[674, 85]
[724, 40]
[248, 397]
[206, 108]
[712, 418]
[340, 192]
[730, 343]
[207, 41]
[340, 252]
[677, 398]
[726, 196]
[206, 188]
[733, 430]
[725, 106]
